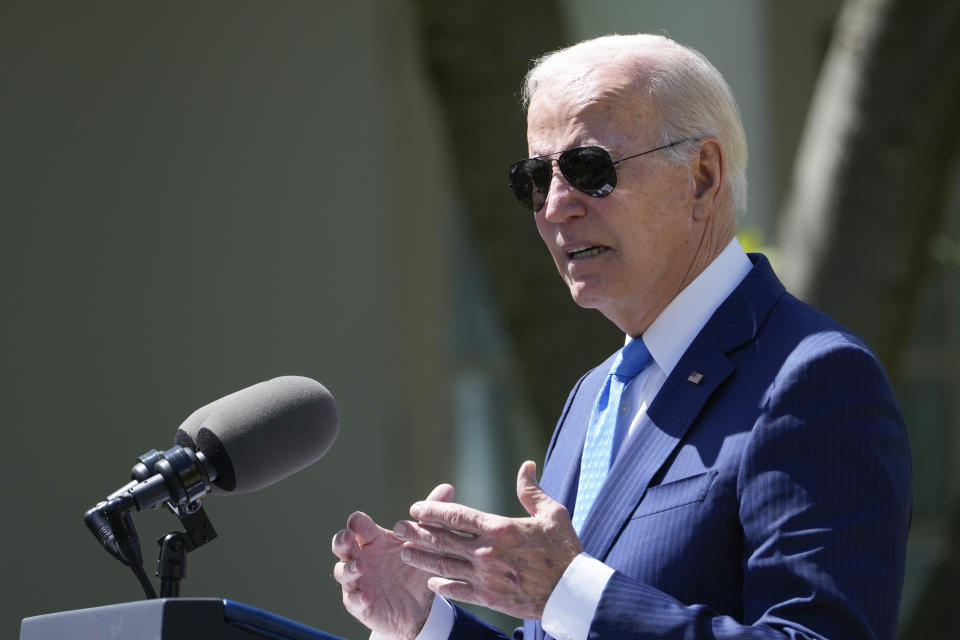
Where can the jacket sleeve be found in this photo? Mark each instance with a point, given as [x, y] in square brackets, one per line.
[467, 626]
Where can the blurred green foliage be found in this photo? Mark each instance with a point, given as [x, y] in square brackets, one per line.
[753, 241]
[945, 250]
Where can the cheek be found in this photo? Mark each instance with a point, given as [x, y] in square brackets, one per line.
[541, 225]
[545, 234]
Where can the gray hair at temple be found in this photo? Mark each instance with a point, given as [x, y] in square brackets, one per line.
[690, 95]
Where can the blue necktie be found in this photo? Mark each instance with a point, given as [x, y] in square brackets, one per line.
[600, 445]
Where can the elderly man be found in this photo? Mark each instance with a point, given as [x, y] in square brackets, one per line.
[739, 469]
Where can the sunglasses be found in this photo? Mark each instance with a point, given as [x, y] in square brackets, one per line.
[587, 169]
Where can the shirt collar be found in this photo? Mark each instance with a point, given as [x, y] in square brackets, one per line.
[679, 323]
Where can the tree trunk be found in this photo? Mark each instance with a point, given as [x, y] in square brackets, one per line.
[477, 54]
[869, 189]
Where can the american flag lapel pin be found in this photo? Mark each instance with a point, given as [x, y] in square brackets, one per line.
[695, 377]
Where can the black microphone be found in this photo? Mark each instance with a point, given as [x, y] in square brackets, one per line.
[239, 443]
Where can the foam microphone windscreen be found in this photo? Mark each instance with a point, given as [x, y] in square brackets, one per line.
[264, 433]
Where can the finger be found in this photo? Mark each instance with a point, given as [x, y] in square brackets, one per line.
[453, 589]
[531, 496]
[357, 602]
[434, 538]
[436, 563]
[347, 573]
[344, 544]
[450, 515]
[442, 493]
[363, 525]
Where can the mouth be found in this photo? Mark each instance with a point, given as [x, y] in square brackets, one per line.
[578, 253]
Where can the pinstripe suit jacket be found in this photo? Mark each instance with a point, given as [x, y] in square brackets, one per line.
[770, 499]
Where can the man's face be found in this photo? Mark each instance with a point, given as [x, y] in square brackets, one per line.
[626, 254]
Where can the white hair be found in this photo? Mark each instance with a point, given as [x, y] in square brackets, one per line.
[689, 94]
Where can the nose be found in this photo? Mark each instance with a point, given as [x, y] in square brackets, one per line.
[563, 200]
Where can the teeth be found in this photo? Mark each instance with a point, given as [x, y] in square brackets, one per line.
[585, 252]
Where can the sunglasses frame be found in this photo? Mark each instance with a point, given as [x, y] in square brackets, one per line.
[524, 174]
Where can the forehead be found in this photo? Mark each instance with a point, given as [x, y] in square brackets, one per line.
[563, 115]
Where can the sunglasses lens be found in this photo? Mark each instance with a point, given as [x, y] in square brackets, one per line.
[530, 181]
[590, 170]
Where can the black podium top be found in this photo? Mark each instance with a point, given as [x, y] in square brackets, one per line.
[168, 619]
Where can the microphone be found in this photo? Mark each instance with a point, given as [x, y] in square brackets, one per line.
[240, 443]
[263, 433]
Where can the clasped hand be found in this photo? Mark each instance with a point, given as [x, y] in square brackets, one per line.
[511, 565]
[379, 590]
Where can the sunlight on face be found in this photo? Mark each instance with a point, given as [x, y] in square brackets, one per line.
[626, 254]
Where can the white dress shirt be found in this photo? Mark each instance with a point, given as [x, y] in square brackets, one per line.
[572, 604]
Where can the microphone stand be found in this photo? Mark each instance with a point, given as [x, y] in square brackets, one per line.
[172, 563]
[178, 477]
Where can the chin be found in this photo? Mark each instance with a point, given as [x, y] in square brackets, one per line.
[583, 295]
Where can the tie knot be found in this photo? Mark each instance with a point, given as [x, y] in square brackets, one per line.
[631, 360]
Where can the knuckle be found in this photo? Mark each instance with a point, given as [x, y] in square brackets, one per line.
[431, 538]
[458, 590]
[482, 598]
[457, 520]
[422, 560]
[443, 566]
[351, 603]
[448, 566]
[499, 527]
[485, 552]
[558, 512]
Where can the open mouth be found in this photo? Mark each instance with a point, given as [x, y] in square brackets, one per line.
[585, 252]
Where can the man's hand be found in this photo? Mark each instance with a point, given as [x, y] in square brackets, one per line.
[507, 564]
[385, 594]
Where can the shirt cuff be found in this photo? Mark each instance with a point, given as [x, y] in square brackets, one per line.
[570, 609]
[439, 623]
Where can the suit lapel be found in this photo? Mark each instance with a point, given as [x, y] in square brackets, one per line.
[660, 431]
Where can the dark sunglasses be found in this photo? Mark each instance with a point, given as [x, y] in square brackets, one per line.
[587, 169]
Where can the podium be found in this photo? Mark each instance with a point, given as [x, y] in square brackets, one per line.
[168, 619]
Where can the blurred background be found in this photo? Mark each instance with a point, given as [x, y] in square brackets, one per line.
[197, 196]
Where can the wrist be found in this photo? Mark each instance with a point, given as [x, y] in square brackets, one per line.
[439, 622]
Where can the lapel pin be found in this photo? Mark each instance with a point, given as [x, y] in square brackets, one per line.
[695, 377]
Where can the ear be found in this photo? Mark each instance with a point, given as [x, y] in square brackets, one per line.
[709, 173]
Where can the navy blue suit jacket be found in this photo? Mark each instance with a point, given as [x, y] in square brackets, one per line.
[770, 499]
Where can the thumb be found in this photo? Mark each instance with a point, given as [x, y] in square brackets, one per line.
[442, 493]
[363, 526]
[529, 493]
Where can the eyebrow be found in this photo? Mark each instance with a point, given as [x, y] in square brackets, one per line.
[576, 146]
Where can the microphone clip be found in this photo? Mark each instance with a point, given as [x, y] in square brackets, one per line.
[198, 530]
[177, 478]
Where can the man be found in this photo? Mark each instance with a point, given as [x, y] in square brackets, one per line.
[750, 478]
